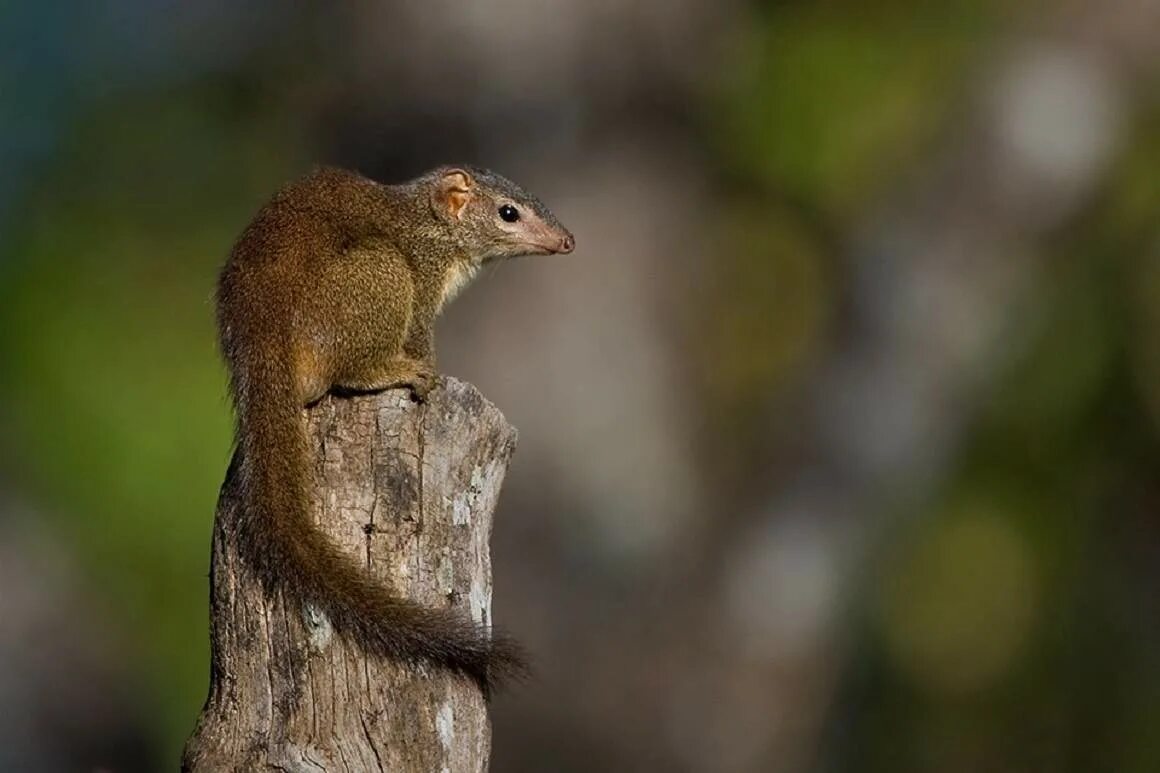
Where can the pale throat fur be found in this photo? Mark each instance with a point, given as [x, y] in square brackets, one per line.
[458, 276]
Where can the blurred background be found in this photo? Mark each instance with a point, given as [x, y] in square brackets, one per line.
[840, 430]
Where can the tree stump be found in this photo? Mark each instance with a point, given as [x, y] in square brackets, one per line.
[408, 491]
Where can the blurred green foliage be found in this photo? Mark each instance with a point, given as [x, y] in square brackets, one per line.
[1006, 626]
[827, 101]
[114, 397]
[1003, 628]
[775, 342]
[1016, 618]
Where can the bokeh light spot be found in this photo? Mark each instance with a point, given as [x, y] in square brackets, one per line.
[957, 609]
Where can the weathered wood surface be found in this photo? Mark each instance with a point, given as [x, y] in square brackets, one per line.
[408, 491]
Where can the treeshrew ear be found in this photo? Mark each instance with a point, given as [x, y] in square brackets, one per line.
[453, 192]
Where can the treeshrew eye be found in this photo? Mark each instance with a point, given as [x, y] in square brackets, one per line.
[509, 213]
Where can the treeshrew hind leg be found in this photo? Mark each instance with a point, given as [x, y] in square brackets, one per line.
[418, 376]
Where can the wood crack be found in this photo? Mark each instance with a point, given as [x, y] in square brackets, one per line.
[372, 453]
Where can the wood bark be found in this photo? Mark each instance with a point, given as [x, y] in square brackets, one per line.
[407, 491]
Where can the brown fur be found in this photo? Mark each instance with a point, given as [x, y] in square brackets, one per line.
[336, 285]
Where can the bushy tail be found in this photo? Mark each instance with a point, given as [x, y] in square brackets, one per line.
[290, 554]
